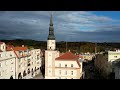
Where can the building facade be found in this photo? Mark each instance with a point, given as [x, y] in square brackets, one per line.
[87, 56]
[19, 62]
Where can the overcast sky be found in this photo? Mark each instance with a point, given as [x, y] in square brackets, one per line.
[100, 26]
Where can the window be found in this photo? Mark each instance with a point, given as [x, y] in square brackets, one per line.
[60, 72]
[71, 65]
[0, 73]
[71, 78]
[59, 65]
[115, 56]
[49, 71]
[65, 72]
[65, 65]
[0, 55]
[71, 72]
[59, 77]
[0, 65]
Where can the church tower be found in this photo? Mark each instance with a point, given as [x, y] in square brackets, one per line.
[51, 37]
[51, 53]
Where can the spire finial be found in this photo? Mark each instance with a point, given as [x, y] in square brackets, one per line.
[51, 22]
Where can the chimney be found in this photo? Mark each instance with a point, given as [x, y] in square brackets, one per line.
[22, 45]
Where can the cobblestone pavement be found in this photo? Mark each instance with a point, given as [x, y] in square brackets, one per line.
[39, 76]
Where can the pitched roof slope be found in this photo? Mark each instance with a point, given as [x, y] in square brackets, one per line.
[20, 48]
[69, 56]
[1, 42]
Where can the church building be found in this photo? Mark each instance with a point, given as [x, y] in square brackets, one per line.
[66, 66]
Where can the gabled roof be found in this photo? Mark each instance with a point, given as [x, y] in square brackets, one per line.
[69, 57]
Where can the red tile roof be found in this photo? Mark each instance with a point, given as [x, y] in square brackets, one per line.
[20, 48]
[69, 56]
[1, 42]
[9, 47]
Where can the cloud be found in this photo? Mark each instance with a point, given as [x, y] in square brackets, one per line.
[68, 25]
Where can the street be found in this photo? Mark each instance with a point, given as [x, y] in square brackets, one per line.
[39, 76]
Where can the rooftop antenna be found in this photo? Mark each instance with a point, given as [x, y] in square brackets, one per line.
[95, 47]
[66, 45]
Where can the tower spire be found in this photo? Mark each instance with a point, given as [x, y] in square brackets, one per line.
[51, 22]
[51, 30]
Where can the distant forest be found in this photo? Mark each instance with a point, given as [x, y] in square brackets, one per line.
[80, 47]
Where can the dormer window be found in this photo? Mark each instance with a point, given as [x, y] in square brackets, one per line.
[65, 65]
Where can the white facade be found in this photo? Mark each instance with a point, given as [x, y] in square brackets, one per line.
[50, 63]
[2, 46]
[36, 60]
[67, 69]
[113, 55]
[19, 63]
[7, 65]
[30, 64]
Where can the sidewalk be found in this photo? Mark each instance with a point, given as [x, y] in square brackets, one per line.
[39, 76]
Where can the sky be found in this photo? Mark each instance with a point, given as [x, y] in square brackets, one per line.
[91, 26]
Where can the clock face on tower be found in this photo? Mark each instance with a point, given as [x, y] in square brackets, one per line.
[52, 42]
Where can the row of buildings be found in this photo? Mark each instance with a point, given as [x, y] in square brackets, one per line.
[19, 62]
[108, 64]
